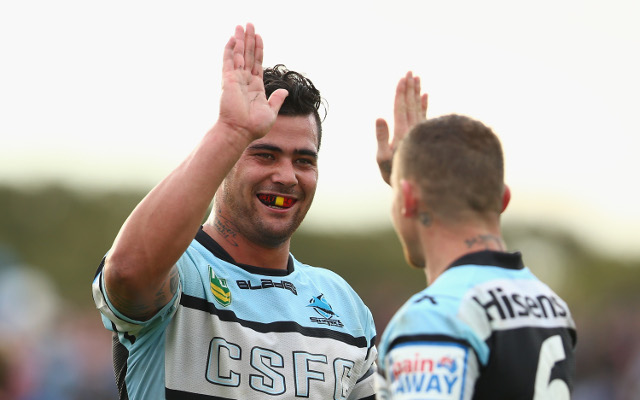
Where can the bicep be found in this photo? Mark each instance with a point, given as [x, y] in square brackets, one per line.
[139, 297]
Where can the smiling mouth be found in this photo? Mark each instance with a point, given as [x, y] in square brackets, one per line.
[278, 202]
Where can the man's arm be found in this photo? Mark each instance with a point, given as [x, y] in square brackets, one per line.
[409, 109]
[140, 273]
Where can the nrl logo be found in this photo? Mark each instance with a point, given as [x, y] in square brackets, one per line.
[219, 288]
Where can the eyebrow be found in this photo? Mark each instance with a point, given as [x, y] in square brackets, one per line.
[276, 149]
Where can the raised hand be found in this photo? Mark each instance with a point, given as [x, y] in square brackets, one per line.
[409, 109]
[243, 105]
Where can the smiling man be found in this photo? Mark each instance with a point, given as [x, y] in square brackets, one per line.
[223, 310]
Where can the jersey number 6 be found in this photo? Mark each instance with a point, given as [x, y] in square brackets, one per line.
[551, 352]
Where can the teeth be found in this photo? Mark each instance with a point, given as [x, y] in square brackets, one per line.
[274, 201]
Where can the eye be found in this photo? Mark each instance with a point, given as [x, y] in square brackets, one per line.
[266, 156]
[306, 161]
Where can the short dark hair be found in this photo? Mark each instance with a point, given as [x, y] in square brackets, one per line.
[303, 98]
[458, 163]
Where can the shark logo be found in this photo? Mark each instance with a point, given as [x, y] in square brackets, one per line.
[322, 306]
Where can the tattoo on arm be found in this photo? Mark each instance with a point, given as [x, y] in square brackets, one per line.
[131, 309]
[162, 295]
[484, 241]
[138, 309]
[226, 229]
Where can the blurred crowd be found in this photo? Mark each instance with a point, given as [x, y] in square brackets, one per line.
[50, 350]
[608, 353]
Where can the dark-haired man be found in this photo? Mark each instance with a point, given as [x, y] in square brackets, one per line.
[232, 314]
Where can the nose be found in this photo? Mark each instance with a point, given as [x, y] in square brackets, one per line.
[285, 174]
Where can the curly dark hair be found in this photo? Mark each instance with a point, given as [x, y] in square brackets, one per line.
[303, 98]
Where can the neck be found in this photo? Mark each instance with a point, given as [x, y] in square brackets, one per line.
[244, 251]
[442, 245]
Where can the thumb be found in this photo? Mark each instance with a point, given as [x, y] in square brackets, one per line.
[385, 153]
[382, 135]
[277, 99]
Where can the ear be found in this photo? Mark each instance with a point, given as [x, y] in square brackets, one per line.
[506, 197]
[409, 199]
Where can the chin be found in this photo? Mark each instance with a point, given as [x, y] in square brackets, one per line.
[275, 236]
[415, 261]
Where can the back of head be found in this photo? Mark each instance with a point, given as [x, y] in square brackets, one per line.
[458, 164]
[303, 98]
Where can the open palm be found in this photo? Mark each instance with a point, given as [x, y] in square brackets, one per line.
[244, 105]
[409, 109]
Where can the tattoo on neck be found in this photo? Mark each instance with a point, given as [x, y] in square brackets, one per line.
[226, 229]
[485, 241]
[424, 219]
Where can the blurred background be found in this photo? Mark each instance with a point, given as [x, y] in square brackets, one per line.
[99, 101]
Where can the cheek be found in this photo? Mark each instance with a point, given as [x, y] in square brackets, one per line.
[396, 219]
[395, 207]
[309, 182]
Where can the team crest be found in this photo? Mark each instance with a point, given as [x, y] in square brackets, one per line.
[219, 288]
[322, 306]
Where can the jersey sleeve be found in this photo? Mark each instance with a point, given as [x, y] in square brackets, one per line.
[117, 322]
[365, 387]
[428, 354]
[429, 367]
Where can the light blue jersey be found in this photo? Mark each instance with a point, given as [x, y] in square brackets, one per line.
[241, 332]
[486, 328]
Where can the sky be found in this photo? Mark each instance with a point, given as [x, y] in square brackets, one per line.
[113, 95]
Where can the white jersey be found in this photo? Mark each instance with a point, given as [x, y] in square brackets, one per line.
[486, 328]
[242, 332]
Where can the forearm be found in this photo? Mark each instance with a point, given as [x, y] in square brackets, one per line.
[139, 271]
[161, 227]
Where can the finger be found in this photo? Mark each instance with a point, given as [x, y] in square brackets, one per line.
[385, 152]
[384, 155]
[424, 103]
[227, 57]
[382, 135]
[400, 104]
[238, 49]
[410, 100]
[277, 98]
[257, 66]
[249, 47]
[417, 100]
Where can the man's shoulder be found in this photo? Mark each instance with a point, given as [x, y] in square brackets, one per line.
[430, 305]
[331, 285]
[318, 272]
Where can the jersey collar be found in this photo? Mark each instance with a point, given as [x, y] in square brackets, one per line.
[491, 258]
[210, 244]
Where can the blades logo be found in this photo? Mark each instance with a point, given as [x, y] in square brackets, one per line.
[323, 308]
